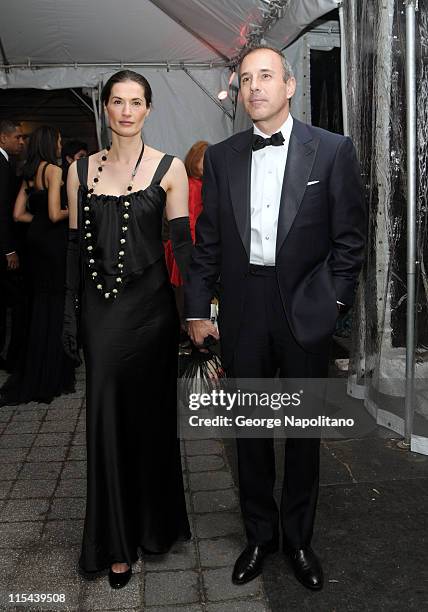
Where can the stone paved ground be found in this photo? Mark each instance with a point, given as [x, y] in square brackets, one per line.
[42, 504]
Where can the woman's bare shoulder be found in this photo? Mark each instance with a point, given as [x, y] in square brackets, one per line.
[153, 153]
[95, 158]
[53, 168]
[97, 154]
[52, 171]
[177, 166]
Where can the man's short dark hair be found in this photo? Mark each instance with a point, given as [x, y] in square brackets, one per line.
[8, 127]
[288, 70]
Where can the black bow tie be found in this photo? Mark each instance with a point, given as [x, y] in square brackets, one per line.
[276, 140]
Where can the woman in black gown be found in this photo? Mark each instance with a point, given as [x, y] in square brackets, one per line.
[129, 332]
[45, 371]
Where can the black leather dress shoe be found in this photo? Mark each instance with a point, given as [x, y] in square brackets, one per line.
[249, 564]
[118, 580]
[306, 567]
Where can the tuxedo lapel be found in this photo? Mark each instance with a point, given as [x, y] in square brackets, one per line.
[300, 159]
[239, 174]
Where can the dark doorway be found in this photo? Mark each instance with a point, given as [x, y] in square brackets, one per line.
[326, 90]
[61, 108]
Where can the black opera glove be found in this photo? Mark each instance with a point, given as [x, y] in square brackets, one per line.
[182, 245]
[71, 304]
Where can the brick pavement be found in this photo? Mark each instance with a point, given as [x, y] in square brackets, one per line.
[42, 503]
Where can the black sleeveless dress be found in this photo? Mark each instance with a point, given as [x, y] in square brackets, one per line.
[135, 495]
[45, 371]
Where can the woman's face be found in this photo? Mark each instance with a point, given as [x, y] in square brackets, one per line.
[127, 108]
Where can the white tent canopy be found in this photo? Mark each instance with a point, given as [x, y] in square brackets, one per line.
[58, 32]
[185, 48]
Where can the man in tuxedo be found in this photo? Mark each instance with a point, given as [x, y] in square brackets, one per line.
[11, 281]
[283, 227]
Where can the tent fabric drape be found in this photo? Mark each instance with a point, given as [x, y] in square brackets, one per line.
[378, 127]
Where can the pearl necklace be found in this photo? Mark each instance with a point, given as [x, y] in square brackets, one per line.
[88, 232]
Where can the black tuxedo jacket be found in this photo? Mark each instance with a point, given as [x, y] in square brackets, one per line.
[320, 239]
[9, 234]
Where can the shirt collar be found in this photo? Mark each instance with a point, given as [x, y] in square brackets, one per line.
[285, 129]
[3, 152]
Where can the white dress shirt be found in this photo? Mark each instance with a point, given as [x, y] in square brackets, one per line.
[267, 175]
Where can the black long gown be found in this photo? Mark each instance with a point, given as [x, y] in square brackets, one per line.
[45, 371]
[135, 495]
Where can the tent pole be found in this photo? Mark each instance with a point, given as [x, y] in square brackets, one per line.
[119, 66]
[343, 65]
[205, 90]
[79, 97]
[5, 60]
[411, 215]
[97, 117]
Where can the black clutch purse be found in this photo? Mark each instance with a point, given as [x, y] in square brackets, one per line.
[202, 371]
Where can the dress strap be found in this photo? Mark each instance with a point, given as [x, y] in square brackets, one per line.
[82, 171]
[162, 169]
[43, 175]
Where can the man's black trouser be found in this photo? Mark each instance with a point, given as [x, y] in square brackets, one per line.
[265, 347]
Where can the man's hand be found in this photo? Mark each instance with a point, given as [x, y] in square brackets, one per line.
[12, 261]
[199, 330]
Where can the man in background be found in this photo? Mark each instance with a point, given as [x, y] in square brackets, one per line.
[12, 292]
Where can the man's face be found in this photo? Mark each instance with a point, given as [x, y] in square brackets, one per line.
[265, 95]
[13, 143]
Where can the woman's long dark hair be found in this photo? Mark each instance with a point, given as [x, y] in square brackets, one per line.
[42, 146]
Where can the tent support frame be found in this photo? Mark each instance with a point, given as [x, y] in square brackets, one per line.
[411, 7]
[82, 100]
[121, 65]
[343, 54]
[209, 94]
[4, 57]
[96, 115]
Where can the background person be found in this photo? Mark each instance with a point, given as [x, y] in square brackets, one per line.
[72, 150]
[12, 287]
[45, 371]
